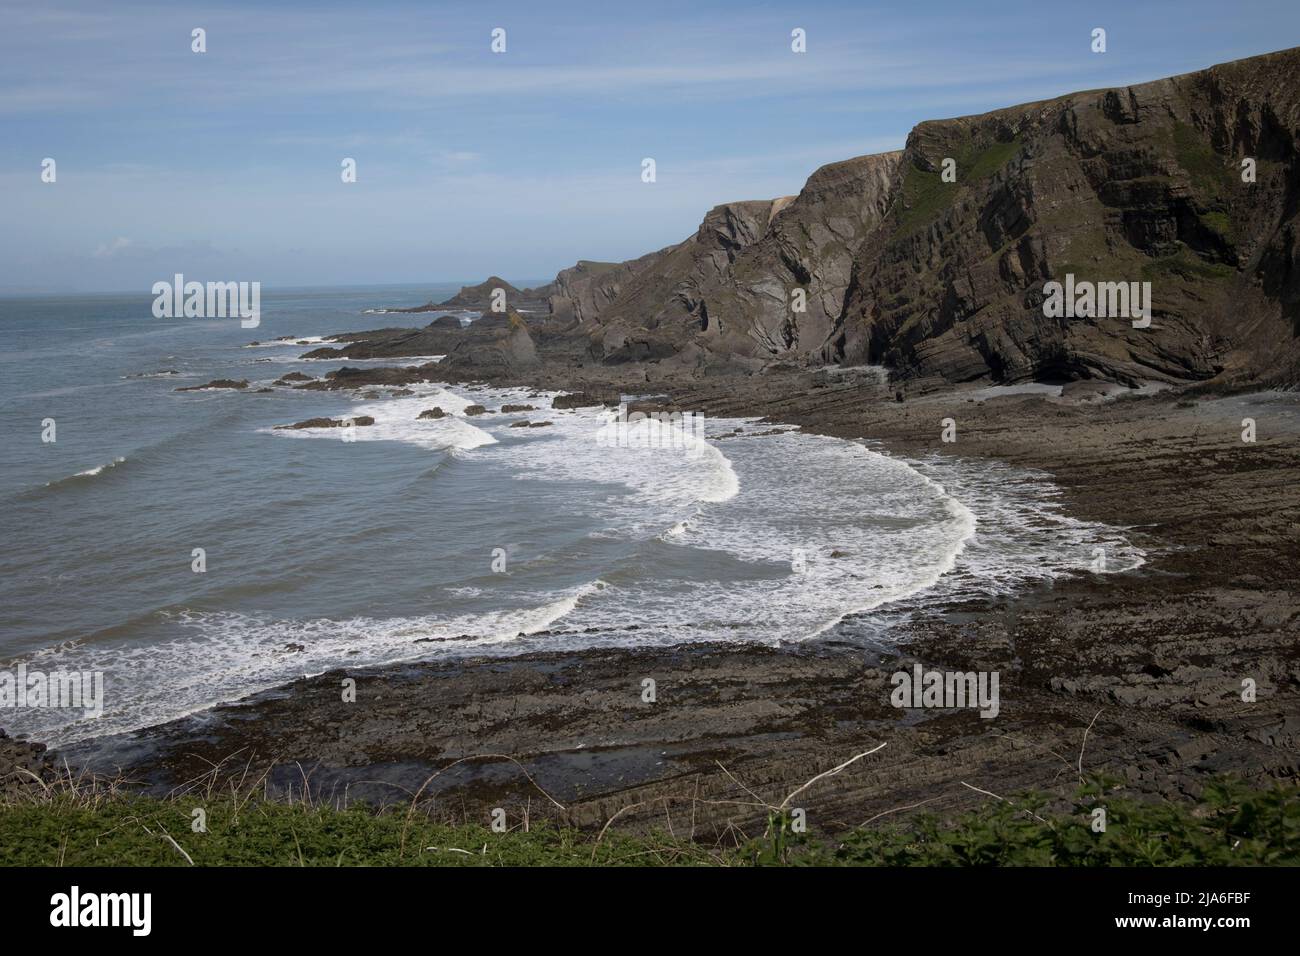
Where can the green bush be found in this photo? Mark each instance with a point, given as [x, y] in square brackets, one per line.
[1232, 825]
[925, 194]
[134, 831]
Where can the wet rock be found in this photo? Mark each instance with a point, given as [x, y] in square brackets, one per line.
[359, 421]
[353, 377]
[24, 765]
[488, 351]
[576, 400]
[215, 383]
[481, 296]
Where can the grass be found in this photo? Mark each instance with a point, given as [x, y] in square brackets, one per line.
[134, 831]
[1186, 265]
[986, 162]
[1232, 824]
[925, 194]
[1210, 176]
[1220, 222]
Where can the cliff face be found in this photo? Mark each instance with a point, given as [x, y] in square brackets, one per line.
[727, 291]
[810, 244]
[663, 304]
[479, 297]
[1142, 184]
[582, 292]
[897, 265]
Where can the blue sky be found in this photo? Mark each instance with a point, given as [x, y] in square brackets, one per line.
[225, 165]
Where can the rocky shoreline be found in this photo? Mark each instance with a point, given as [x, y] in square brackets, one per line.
[1149, 663]
[785, 310]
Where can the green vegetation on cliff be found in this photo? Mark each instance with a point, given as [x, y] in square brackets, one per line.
[1231, 825]
[925, 194]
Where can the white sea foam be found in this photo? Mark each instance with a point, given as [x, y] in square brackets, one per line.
[749, 537]
[225, 656]
[827, 528]
[293, 342]
[820, 529]
[89, 472]
[661, 465]
[99, 469]
[400, 360]
[864, 529]
[1023, 535]
[399, 419]
[831, 528]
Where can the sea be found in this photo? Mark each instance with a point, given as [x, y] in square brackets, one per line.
[192, 553]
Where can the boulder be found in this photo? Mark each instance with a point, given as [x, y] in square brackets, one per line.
[576, 400]
[359, 421]
[215, 383]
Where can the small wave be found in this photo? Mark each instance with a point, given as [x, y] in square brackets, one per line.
[230, 655]
[167, 450]
[823, 530]
[293, 341]
[399, 360]
[88, 473]
[398, 419]
[66, 483]
[668, 470]
[98, 469]
[780, 540]
[827, 529]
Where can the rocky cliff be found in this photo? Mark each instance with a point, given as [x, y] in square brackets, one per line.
[885, 259]
[479, 297]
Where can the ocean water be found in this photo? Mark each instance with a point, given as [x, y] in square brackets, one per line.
[425, 539]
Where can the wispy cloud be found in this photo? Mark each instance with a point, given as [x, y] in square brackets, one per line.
[107, 250]
[378, 59]
[472, 162]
